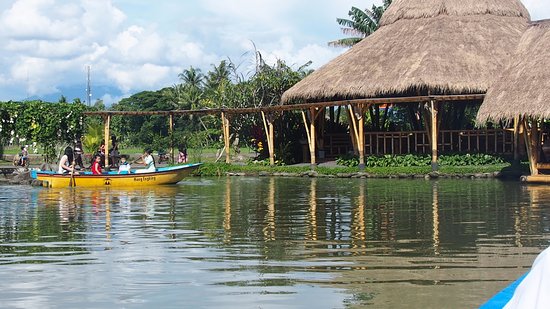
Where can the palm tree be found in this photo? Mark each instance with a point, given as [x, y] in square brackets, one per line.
[219, 73]
[360, 25]
[192, 77]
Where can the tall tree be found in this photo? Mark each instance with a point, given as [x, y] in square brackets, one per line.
[192, 77]
[361, 24]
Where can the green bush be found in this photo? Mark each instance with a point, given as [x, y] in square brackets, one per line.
[411, 160]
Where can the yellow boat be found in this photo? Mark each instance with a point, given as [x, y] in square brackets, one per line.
[162, 176]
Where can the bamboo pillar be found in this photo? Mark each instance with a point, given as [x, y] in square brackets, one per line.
[358, 126]
[107, 124]
[361, 141]
[535, 144]
[313, 114]
[225, 130]
[171, 122]
[529, 140]
[434, 132]
[310, 132]
[353, 130]
[516, 140]
[269, 133]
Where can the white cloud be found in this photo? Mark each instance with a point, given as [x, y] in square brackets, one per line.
[138, 45]
[36, 19]
[539, 9]
[135, 77]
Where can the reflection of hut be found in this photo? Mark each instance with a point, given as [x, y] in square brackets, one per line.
[423, 48]
[522, 93]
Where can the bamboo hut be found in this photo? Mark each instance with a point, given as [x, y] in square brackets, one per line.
[429, 47]
[522, 94]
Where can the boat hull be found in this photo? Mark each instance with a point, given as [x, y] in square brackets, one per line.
[163, 176]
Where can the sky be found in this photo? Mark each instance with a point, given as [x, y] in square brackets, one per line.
[137, 45]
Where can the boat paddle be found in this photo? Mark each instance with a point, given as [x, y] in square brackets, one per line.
[72, 182]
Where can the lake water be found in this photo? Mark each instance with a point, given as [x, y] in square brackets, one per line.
[239, 242]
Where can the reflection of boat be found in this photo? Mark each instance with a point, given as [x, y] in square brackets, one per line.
[162, 176]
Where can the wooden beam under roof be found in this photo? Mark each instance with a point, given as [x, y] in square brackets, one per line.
[302, 106]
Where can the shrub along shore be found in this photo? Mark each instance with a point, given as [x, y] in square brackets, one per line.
[414, 172]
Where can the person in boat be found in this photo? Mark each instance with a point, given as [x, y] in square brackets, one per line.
[66, 163]
[124, 166]
[101, 151]
[182, 156]
[114, 156]
[78, 152]
[149, 162]
[96, 166]
[23, 156]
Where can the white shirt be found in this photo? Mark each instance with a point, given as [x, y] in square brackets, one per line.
[124, 168]
[63, 162]
[150, 165]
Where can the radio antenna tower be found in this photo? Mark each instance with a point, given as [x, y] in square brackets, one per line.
[88, 87]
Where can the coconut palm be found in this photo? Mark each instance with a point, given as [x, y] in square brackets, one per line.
[192, 77]
[361, 24]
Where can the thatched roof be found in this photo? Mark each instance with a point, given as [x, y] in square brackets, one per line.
[524, 87]
[428, 46]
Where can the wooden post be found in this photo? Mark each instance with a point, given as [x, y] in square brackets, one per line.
[312, 129]
[535, 143]
[171, 120]
[107, 123]
[310, 132]
[434, 129]
[516, 140]
[268, 126]
[528, 136]
[225, 130]
[361, 141]
[353, 130]
[358, 128]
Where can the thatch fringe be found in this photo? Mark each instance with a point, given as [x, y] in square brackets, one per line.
[445, 54]
[438, 56]
[524, 87]
[407, 9]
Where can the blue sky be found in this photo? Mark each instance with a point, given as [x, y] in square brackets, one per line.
[136, 45]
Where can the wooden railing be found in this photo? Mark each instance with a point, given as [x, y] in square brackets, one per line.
[495, 141]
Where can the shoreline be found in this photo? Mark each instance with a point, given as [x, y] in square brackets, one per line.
[18, 176]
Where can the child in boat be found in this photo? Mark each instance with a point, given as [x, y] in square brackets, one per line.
[124, 167]
[182, 156]
[96, 166]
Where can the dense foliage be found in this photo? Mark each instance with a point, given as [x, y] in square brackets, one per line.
[223, 86]
[43, 123]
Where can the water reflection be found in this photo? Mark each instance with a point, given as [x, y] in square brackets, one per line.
[312, 213]
[435, 214]
[269, 229]
[272, 242]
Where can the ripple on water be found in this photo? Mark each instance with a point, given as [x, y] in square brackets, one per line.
[268, 242]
